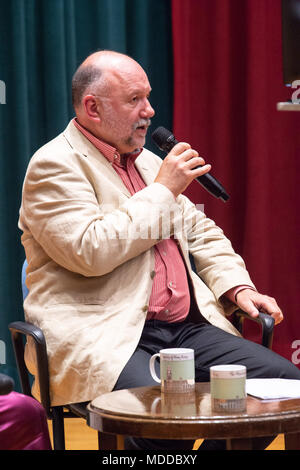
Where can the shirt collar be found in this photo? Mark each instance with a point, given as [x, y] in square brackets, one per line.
[107, 150]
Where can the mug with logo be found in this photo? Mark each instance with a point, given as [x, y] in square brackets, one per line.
[228, 387]
[177, 370]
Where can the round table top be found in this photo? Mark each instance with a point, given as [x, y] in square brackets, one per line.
[147, 412]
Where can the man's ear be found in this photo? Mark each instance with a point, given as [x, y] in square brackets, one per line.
[91, 108]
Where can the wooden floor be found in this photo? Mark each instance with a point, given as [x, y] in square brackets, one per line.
[80, 437]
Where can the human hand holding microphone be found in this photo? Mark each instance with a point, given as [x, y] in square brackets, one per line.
[182, 165]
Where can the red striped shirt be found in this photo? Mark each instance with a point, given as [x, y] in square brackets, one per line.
[170, 297]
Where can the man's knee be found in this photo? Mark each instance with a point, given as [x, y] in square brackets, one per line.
[268, 363]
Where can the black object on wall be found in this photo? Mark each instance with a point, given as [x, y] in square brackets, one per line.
[290, 40]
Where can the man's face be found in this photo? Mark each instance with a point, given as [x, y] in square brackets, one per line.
[125, 111]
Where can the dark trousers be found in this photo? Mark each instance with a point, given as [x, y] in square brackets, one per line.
[212, 346]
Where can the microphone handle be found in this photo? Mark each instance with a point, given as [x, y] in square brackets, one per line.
[209, 182]
[212, 185]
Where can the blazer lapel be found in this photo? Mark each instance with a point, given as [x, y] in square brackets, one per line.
[80, 143]
[144, 168]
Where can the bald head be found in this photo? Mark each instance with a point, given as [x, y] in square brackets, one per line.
[111, 99]
[95, 73]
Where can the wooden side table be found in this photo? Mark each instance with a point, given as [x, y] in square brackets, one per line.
[148, 413]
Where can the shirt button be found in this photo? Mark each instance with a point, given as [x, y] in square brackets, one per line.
[164, 253]
[170, 284]
[166, 311]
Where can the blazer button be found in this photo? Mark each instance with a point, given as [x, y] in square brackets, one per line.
[145, 308]
[152, 274]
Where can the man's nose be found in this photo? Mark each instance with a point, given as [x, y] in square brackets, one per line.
[147, 111]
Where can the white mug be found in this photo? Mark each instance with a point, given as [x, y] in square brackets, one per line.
[177, 370]
[228, 387]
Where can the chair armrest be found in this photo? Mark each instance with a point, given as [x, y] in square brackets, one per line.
[266, 322]
[19, 329]
[6, 384]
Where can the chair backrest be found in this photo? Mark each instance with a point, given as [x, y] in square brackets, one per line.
[21, 330]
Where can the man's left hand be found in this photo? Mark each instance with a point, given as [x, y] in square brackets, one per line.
[253, 302]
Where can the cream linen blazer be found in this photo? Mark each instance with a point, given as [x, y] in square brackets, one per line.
[91, 261]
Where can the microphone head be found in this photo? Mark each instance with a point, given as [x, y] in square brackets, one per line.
[164, 139]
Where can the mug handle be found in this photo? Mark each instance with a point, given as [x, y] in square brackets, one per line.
[152, 370]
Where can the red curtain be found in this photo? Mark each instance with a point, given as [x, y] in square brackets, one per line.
[228, 80]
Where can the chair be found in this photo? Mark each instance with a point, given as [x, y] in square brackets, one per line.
[57, 414]
[22, 329]
[265, 321]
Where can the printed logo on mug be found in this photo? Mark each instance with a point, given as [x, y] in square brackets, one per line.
[228, 387]
[177, 370]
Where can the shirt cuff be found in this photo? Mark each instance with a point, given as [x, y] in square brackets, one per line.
[232, 293]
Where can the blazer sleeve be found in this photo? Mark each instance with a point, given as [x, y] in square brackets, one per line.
[61, 211]
[216, 262]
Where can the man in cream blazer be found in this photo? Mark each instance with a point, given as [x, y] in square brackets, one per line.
[90, 264]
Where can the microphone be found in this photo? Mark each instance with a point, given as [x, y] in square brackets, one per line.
[165, 140]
